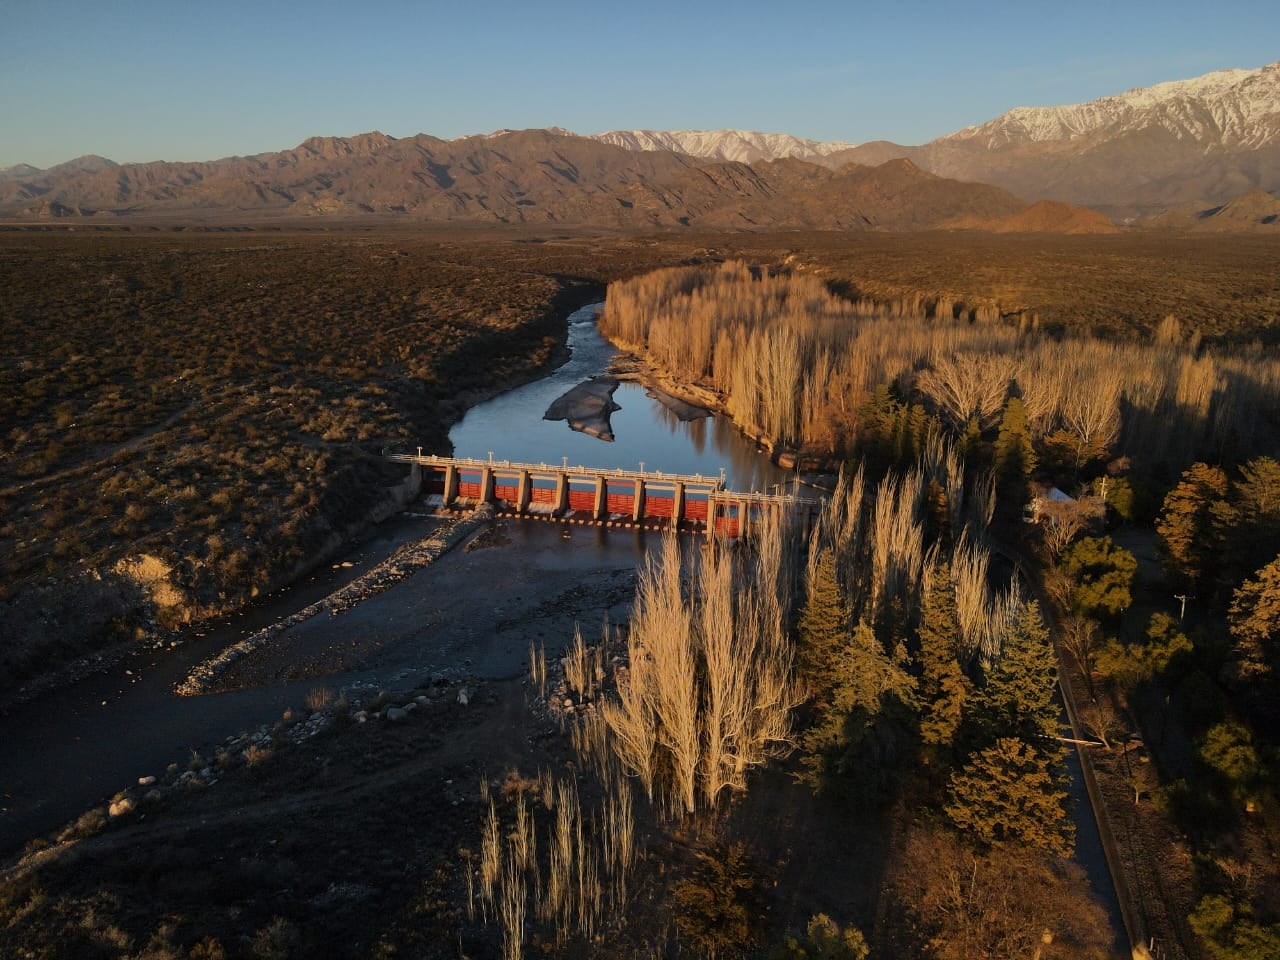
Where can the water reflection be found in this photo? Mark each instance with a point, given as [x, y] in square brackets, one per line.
[511, 426]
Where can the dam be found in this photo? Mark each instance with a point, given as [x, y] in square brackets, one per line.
[611, 497]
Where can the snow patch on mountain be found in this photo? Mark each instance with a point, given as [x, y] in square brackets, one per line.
[739, 146]
[1237, 108]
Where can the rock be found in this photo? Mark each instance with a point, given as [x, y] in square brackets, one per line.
[587, 407]
[410, 707]
[146, 781]
[120, 807]
[464, 696]
[396, 714]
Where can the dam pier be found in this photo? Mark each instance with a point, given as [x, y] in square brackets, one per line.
[610, 497]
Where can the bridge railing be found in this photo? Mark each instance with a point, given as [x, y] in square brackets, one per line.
[433, 460]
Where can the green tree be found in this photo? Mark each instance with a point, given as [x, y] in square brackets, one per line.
[865, 728]
[1015, 455]
[1230, 933]
[1227, 749]
[971, 442]
[824, 940]
[1119, 497]
[1132, 664]
[1249, 521]
[1103, 574]
[717, 907]
[1255, 621]
[1012, 792]
[1016, 698]
[1189, 542]
[944, 689]
[823, 630]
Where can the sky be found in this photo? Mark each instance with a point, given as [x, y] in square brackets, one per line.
[136, 80]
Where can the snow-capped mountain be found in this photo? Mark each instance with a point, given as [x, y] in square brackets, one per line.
[1230, 108]
[740, 146]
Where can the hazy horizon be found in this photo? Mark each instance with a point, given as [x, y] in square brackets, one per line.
[143, 81]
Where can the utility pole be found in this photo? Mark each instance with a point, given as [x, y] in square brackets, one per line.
[1184, 598]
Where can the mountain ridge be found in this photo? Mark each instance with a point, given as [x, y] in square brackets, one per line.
[743, 146]
[1187, 145]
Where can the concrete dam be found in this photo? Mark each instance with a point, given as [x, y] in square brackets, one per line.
[625, 498]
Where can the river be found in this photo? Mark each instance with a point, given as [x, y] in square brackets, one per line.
[646, 434]
[72, 748]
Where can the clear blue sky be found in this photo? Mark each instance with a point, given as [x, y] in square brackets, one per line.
[140, 80]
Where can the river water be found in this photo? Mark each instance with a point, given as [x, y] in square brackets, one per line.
[646, 434]
[73, 748]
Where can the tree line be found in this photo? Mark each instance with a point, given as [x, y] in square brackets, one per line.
[796, 366]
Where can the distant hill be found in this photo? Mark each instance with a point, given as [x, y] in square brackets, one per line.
[1170, 151]
[1252, 211]
[799, 195]
[1043, 216]
[1254, 208]
[529, 176]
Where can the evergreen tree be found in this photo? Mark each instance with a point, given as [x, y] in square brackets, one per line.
[865, 727]
[1131, 664]
[1103, 574]
[1016, 699]
[1250, 519]
[1255, 621]
[944, 689]
[1012, 792]
[824, 631]
[971, 442]
[1188, 532]
[1015, 456]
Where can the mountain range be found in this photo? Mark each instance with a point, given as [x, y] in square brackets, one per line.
[1201, 153]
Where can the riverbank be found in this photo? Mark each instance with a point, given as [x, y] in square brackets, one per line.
[409, 559]
[688, 400]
